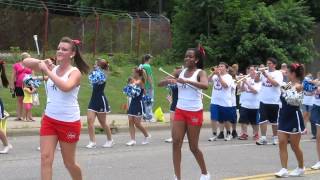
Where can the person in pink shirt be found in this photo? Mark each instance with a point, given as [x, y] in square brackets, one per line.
[18, 72]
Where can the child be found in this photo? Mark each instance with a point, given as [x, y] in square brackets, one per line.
[135, 90]
[28, 90]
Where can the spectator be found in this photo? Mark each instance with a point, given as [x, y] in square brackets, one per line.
[18, 72]
[146, 60]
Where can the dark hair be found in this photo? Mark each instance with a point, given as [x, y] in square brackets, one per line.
[141, 73]
[225, 64]
[273, 60]
[298, 69]
[80, 63]
[4, 78]
[146, 58]
[198, 55]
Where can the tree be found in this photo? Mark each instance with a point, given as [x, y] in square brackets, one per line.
[247, 32]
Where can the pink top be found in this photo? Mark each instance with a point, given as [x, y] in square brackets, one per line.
[21, 71]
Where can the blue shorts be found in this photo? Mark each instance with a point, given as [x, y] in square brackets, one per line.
[222, 114]
[306, 108]
[315, 115]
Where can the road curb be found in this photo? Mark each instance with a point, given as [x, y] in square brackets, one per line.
[35, 131]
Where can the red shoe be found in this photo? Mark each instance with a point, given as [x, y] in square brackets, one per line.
[243, 136]
[256, 137]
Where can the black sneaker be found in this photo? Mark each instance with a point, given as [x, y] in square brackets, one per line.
[221, 135]
[234, 134]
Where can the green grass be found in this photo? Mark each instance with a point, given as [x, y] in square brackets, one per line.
[116, 81]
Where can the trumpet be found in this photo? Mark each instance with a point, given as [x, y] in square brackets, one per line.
[241, 78]
[262, 69]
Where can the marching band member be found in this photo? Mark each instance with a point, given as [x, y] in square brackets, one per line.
[221, 102]
[249, 100]
[291, 124]
[61, 120]
[98, 105]
[269, 97]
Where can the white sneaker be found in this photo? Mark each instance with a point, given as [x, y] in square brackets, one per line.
[213, 138]
[275, 140]
[228, 137]
[205, 176]
[282, 173]
[131, 143]
[146, 140]
[6, 149]
[185, 140]
[108, 144]
[175, 177]
[169, 140]
[262, 141]
[91, 145]
[297, 172]
[316, 166]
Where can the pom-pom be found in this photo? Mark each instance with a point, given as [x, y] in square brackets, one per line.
[97, 76]
[132, 90]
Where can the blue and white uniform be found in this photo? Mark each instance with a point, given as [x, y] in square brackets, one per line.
[136, 105]
[290, 116]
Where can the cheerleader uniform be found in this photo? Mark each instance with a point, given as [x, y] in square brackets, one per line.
[290, 116]
[98, 102]
[136, 105]
[174, 95]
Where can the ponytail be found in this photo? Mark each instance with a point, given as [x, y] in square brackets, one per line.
[199, 55]
[80, 63]
[4, 78]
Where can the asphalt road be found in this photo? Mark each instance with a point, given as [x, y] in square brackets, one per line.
[234, 159]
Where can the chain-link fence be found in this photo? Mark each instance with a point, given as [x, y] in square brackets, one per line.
[136, 33]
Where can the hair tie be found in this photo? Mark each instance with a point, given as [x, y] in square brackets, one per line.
[201, 50]
[76, 42]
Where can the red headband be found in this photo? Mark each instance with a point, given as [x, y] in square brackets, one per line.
[295, 65]
[202, 51]
[76, 42]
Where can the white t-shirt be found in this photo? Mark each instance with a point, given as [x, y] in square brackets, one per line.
[316, 99]
[222, 96]
[270, 94]
[308, 98]
[248, 99]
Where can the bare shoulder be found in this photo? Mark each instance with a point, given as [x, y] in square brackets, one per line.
[299, 87]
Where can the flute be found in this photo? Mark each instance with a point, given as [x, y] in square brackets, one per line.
[160, 69]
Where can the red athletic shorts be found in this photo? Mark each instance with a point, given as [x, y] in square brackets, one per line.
[65, 131]
[193, 118]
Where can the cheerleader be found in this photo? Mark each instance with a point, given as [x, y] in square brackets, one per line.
[290, 122]
[173, 88]
[98, 105]
[3, 135]
[135, 90]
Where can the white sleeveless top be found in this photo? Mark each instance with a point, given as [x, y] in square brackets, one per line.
[189, 99]
[62, 106]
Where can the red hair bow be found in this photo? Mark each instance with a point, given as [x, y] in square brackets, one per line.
[76, 42]
[201, 50]
[295, 65]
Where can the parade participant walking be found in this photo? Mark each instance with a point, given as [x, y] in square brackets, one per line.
[291, 124]
[249, 105]
[98, 105]
[315, 117]
[173, 88]
[222, 102]
[269, 97]
[61, 119]
[146, 60]
[18, 73]
[308, 95]
[3, 135]
[136, 92]
[189, 110]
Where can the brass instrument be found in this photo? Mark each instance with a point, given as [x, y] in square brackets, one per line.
[241, 78]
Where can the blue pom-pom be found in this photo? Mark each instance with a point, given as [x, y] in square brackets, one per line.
[147, 99]
[132, 90]
[308, 86]
[97, 76]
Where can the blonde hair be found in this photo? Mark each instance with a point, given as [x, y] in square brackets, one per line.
[25, 55]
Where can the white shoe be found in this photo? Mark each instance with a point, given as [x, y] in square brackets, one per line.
[6, 149]
[146, 140]
[213, 138]
[262, 141]
[275, 140]
[228, 137]
[297, 172]
[38, 148]
[169, 140]
[205, 176]
[282, 173]
[91, 145]
[175, 177]
[185, 140]
[316, 166]
[131, 143]
[108, 144]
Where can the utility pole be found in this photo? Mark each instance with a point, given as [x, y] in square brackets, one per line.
[160, 6]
